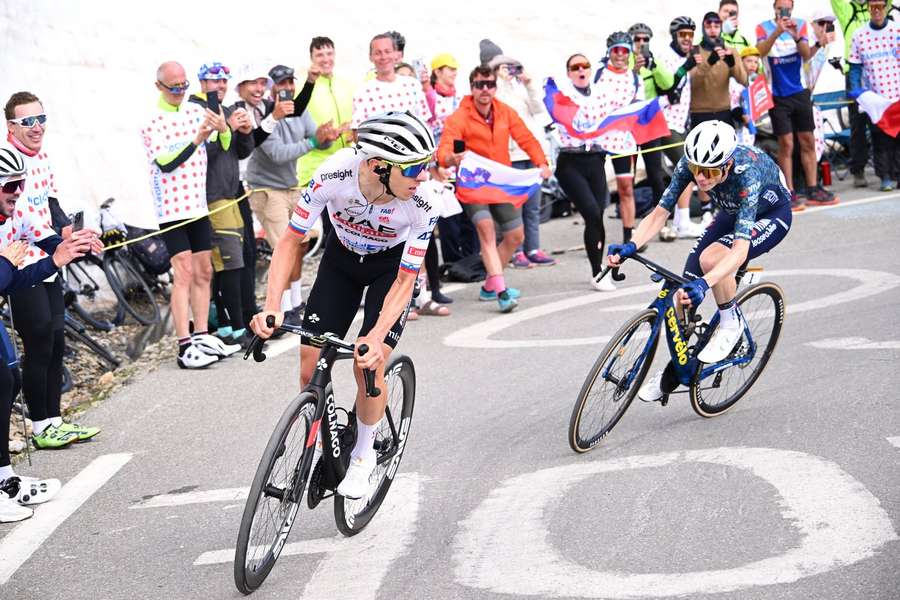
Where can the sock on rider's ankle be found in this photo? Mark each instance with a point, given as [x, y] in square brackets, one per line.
[365, 441]
[728, 314]
[495, 283]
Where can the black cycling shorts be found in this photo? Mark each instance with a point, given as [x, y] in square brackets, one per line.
[792, 114]
[623, 166]
[336, 294]
[194, 237]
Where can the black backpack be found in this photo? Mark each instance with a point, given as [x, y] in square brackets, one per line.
[465, 270]
[152, 252]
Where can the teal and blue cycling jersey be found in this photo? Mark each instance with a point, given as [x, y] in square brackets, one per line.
[754, 187]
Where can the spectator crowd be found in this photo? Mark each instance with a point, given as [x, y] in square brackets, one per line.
[219, 173]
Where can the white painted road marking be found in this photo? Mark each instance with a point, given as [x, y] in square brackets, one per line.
[26, 538]
[854, 343]
[479, 334]
[367, 556]
[199, 497]
[894, 441]
[839, 520]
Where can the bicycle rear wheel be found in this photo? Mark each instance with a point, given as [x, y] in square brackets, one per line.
[351, 516]
[763, 308]
[94, 305]
[613, 382]
[275, 494]
[130, 288]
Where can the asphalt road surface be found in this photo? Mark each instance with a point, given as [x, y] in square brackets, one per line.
[794, 494]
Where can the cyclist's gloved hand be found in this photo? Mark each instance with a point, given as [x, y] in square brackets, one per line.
[696, 290]
[623, 250]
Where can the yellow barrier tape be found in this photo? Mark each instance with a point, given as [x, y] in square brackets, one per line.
[648, 151]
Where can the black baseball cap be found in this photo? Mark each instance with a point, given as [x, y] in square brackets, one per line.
[279, 73]
[712, 17]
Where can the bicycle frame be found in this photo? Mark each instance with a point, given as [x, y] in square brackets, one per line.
[677, 332]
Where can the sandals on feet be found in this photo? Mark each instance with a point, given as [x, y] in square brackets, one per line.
[434, 309]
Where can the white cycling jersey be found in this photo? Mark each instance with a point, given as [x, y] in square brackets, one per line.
[361, 226]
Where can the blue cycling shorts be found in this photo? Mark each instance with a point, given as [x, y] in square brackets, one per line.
[768, 231]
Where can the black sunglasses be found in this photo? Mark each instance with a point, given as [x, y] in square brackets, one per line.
[11, 187]
[484, 84]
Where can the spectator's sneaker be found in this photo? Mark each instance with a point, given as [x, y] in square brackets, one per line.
[603, 285]
[520, 261]
[195, 358]
[28, 490]
[441, 298]
[819, 196]
[355, 484]
[888, 185]
[53, 438]
[213, 346]
[668, 234]
[798, 203]
[506, 301]
[689, 230]
[722, 342]
[539, 258]
[486, 296]
[11, 511]
[859, 180]
[81, 432]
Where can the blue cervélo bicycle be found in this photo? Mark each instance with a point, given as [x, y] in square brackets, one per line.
[618, 373]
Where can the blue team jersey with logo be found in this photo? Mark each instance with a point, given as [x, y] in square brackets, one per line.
[754, 187]
[784, 60]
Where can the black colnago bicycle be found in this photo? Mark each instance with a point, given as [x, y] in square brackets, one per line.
[618, 373]
[286, 472]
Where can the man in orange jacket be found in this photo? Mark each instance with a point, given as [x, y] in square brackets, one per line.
[485, 125]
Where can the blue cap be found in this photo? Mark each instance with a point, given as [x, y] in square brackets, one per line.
[214, 70]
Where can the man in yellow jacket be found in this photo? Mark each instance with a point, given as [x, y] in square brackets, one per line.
[332, 100]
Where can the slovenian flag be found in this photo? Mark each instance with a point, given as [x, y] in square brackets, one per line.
[885, 114]
[480, 180]
[644, 120]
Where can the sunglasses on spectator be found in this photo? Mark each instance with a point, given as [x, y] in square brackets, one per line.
[707, 172]
[11, 187]
[411, 169]
[641, 38]
[580, 67]
[29, 122]
[484, 84]
[176, 88]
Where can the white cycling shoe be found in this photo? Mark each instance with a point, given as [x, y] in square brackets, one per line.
[652, 390]
[11, 511]
[29, 490]
[355, 484]
[689, 229]
[722, 342]
[195, 358]
[210, 344]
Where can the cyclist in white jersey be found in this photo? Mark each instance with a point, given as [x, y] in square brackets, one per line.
[382, 226]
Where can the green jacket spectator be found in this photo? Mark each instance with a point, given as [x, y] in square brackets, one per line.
[852, 14]
[657, 80]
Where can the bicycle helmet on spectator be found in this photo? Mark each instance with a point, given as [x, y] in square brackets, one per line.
[710, 144]
[639, 28]
[619, 39]
[12, 165]
[397, 137]
[680, 23]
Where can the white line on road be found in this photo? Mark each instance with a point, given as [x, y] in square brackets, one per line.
[894, 441]
[867, 200]
[479, 334]
[854, 343]
[840, 523]
[368, 555]
[201, 497]
[26, 538]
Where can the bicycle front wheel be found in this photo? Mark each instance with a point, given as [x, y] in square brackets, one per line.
[613, 382]
[131, 290]
[763, 308]
[351, 516]
[275, 494]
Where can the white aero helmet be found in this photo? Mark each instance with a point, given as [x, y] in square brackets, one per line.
[710, 144]
[12, 165]
[397, 137]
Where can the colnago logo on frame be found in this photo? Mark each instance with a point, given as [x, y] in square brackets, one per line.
[333, 426]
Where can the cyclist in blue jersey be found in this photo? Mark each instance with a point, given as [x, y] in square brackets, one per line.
[754, 216]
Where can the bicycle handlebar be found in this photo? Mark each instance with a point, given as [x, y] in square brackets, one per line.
[661, 271]
[256, 349]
